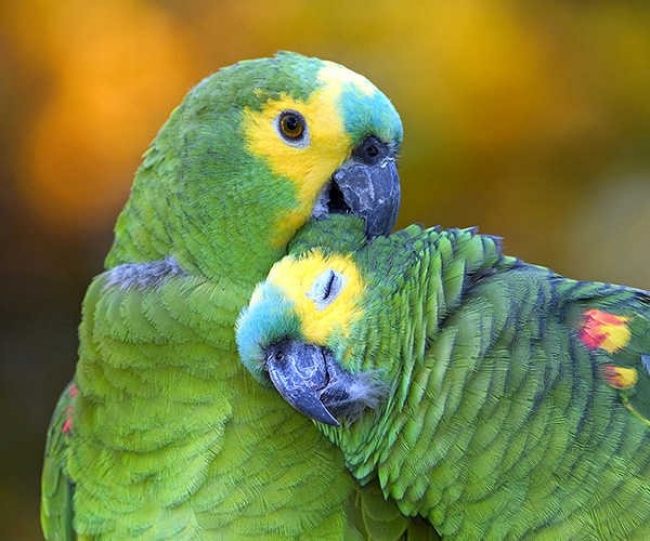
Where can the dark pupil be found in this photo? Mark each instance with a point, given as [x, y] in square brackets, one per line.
[292, 125]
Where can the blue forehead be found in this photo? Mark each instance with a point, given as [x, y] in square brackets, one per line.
[364, 114]
[271, 319]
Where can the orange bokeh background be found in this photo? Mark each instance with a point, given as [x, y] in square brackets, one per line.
[531, 120]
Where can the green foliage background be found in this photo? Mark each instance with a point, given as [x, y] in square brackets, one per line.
[530, 119]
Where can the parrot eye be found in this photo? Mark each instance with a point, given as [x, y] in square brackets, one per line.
[326, 288]
[291, 125]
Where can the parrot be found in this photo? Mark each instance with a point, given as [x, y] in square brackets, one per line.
[494, 398]
[162, 433]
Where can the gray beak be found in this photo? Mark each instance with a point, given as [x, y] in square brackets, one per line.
[310, 379]
[366, 185]
[299, 373]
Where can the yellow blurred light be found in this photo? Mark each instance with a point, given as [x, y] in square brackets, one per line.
[118, 70]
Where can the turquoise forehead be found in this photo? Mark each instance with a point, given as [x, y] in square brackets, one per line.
[370, 113]
[270, 317]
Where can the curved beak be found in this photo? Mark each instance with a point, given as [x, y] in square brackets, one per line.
[310, 379]
[367, 185]
[299, 373]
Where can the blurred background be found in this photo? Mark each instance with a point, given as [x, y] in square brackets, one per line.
[531, 120]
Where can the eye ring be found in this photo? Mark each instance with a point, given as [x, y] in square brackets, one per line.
[292, 127]
[326, 288]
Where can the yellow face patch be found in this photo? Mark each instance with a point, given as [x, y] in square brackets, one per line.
[307, 166]
[296, 277]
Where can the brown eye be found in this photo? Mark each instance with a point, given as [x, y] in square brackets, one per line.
[292, 127]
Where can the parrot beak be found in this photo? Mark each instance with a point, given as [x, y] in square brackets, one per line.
[300, 374]
[310, 379]
[366, 185]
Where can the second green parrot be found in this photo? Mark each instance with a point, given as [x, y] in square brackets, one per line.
[495, 398]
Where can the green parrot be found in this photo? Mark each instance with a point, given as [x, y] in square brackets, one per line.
[163, 434]
[495, 398]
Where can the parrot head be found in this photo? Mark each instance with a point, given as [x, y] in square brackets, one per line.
[301, 332]
[254, 152]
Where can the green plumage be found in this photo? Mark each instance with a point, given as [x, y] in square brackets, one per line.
[198, 181]
[507, 409]
[163, 435]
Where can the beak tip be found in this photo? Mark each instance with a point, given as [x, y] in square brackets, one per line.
[329, 420]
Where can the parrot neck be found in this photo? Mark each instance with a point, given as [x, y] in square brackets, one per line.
[218, 250]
